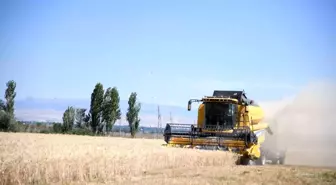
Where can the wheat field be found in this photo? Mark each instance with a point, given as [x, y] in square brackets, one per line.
[66, 159]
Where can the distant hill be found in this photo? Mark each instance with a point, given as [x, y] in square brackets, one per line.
[34, 109]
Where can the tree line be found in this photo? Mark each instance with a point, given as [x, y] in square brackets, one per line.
[103, 113]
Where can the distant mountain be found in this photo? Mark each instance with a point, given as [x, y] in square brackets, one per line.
[33, 109]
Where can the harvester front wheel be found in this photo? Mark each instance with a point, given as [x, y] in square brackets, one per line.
[246, 161]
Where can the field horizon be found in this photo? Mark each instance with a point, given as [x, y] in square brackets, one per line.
[29, 158]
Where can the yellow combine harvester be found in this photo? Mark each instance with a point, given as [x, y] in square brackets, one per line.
[228, 120]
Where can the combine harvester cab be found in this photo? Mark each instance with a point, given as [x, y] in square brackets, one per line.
[229, 121]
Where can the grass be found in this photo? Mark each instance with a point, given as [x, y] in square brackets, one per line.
[67, 159]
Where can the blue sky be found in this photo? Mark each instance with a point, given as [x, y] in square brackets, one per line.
[167, 51]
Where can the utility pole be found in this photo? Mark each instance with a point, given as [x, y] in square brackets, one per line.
[120, 127]
[171, 118]
[159, 122]
[74, 120]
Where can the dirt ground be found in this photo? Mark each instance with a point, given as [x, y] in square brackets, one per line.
[63, 159]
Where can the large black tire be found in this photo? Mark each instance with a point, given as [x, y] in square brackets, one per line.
[245, 161]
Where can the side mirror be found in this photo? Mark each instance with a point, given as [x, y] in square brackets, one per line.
[269, 130]
[189, 105]
[251, 102]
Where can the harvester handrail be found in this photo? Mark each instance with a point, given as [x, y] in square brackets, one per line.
[212, 99]
[219, 99]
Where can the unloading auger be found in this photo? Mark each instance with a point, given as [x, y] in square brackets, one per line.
[228, 120]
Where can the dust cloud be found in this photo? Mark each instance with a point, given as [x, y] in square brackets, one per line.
[305, 126]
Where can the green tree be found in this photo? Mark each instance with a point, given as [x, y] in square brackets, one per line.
[111, 109]
[106, 108]
[57, 128]
[133, 113]
[80, 117]
[10, 95]
[97, 99]
[68, 119]
[7, 121]
[2, 105]
[87, 121]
